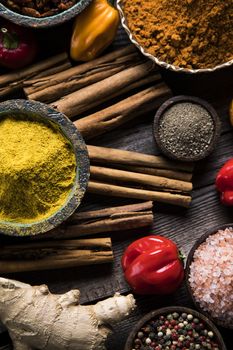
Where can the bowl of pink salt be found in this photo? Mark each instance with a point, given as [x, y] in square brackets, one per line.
[209, 275]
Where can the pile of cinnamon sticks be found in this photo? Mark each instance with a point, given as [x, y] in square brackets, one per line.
[99, 96]
[136, 175]
[123, 74]
[129, 84]
[62, 248]
[13, 81]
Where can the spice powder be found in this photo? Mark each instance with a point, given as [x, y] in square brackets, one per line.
[37, 169]
[185, 33]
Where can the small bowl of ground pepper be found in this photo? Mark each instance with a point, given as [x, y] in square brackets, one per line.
[186, 128]
[183, 36]
[44, 168]
[174, 328]
[209, 274]
[41, 14]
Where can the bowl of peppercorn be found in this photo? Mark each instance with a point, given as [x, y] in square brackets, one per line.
[186, 128]
[174, 327]
[41, 14]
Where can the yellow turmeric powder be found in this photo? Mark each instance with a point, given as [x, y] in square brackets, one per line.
[37, 169]
[186, 33]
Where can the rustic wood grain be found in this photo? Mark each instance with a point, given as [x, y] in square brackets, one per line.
[182, 225]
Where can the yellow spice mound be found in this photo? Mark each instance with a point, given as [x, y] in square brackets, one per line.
[37, 169]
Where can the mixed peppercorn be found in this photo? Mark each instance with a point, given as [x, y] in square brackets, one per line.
[176, 331]
[39, 8]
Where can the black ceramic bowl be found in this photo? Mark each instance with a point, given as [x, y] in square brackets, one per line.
[189, 261]
[44, 22]
[67, 128]
[166, 310]
[195, 100]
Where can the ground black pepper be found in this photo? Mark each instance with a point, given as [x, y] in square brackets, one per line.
[175, 331]
[186, 130]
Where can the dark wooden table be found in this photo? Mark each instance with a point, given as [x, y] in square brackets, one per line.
[184, 226]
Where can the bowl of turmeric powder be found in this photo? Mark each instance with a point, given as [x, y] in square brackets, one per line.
[44, 168]
[184, 36]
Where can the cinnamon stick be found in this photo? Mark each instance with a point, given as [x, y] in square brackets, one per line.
[127, 192]
[91, 96]
[55, 255]
[117, 156]
[126, 217]
[106, 174]
[13, 81]
[52, 87]
[132, 107]
[171, 174]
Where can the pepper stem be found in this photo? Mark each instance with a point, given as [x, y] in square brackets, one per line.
[182, 257]
[10, 40]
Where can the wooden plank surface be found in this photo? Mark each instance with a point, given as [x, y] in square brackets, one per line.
[184, 226]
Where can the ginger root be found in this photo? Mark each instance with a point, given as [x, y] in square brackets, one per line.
[38, 319]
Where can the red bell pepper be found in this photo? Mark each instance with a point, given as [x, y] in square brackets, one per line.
[152, 265]
[18, 46]
[224, 182]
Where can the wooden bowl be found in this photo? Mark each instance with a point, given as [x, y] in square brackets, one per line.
[41, 111]
[189, 261]
[44, 22]
[178, 99]
[166, 310]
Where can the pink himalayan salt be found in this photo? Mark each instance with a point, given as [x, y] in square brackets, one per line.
[211, 276]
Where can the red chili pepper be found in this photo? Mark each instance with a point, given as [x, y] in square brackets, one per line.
[18, 46]
[224, 182]
[152, 265]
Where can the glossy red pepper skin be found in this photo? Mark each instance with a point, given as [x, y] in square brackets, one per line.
[152, 266]
[224, 182]
[18, 46]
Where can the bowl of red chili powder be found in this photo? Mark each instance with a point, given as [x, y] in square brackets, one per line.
[41, 14]
[183, 36]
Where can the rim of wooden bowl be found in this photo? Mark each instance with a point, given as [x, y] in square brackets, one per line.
[170, 309]
[44, 22]
[189, 261]
[67, 128]
[195, 100]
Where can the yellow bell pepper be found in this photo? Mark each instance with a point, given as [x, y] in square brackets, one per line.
[94, 29]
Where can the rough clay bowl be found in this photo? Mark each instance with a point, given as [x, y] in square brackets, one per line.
[167, 310]
[189, 262]
[156, 60]
[45, 22]
[44, 112]
[171, 102]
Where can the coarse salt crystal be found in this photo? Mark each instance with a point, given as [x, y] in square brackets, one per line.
[211, 276]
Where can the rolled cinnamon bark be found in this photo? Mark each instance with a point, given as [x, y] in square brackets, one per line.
[55, 255]
[52, 87]
[132, 107]
[127, 192]
[109, 174]
[126, 217]
[91, 96]
[170, 174]
[107, 155]
[13, 81]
